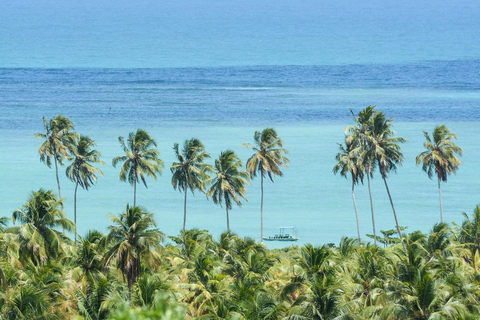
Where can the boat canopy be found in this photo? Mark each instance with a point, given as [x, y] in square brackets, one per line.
[286, 227]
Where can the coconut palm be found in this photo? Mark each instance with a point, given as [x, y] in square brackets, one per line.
[189, 171]
[388, 153]
[133, 238]
[81, 171]
[439, 158]
[267, 160]
[57, 138]
[37, 237]
[140, 159]
[358, 137]
[229, 182]
[348, 164]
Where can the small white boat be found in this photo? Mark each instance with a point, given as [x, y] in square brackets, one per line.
[284, 234]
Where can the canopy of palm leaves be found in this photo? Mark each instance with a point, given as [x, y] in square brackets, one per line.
[37, 236]
[188, 171]
[83, 155]
[268, 156]
[58, 137]
[133, 238]
[228, 184]
[439, 158]
[348, 163]
[141, 160]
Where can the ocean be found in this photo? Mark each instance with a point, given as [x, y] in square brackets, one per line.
[219, 71]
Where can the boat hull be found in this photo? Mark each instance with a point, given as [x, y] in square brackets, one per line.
[280, 239]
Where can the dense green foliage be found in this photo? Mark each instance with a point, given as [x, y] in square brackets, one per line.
[130, 273]
[133, 272]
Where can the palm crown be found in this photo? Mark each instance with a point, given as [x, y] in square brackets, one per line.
[267, 159]
[439, 158]
[134, 238]
[228, 184]
[189, 171]
[39, 217]
[81, 171]
[268, 156]
[140, 159]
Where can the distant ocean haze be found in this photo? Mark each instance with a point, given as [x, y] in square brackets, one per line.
[211, 33]
[308, 106]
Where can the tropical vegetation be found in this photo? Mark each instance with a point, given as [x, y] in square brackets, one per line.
[134, 271]
[228, 182]
[439, 157]
[141, 159]
[81, 170]
[268, 158]
[189, 171]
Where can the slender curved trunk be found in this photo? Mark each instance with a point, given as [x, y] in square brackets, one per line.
[135, 193]
[228, 223]
[440, 194]
[58, 180]
[356, 212]
[75, 211]
[185, 209]
[371, 206]
[394, 214]
[261, 210]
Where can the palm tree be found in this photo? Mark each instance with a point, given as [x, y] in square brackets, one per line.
[439, 158]
[388, 154]
[347, 163]
[229, 182]
[133, 239]
[58, 137]
[267, 160]
[81, 171]
[37, 237]
[140, 159]
[189, 170]
[358, 138]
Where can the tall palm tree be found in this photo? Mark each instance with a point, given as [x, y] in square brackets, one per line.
[37, 235]
[57, 138]
[189, 170]
[388, 154]
[267, 160]
[347, 163]
[133, 238]
[229, 182]
[358, 137]
[81, 171]
[140, 159]
[439, 158]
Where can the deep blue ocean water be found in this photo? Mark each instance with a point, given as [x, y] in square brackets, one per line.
[218, 71]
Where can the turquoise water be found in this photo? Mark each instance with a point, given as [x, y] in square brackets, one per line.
[218, 71]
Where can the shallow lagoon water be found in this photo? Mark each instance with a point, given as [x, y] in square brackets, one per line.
[223, 108]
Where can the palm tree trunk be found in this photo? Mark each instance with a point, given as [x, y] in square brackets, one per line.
[135, 193]
[371, 206]
[75, 212]
[356, 211]
[185, 210]
[394, 214]
[261, 211]
[58, 180]
[440, 194]
[228, 223]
